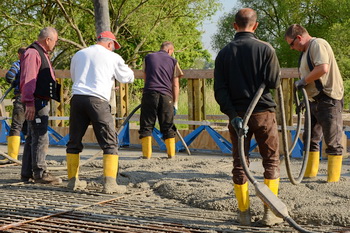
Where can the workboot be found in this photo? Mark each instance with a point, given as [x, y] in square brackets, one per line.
[13, 143]
[334, 167]
[269, 218]
[242, 196]
[146, 143]
[74, 183]
[47, 178]
[170, 147]
[312, 164]
[110, 170]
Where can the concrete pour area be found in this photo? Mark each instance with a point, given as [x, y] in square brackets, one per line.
[202, 181]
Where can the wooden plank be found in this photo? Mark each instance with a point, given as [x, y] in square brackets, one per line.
[289, 73]
[62, 73]
[188, 74]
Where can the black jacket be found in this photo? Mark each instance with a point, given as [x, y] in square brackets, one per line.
[240, 68]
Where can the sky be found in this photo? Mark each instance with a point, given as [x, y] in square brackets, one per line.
[209, 26]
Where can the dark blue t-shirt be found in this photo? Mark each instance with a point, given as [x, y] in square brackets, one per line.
[159, 68]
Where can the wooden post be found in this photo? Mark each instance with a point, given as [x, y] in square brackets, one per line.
[57, 108]
[288, 99]
[196, 97]
[2, 107]
[123, 102]
[287, 83]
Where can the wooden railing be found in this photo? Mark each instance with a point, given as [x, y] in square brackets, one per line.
[195, 89]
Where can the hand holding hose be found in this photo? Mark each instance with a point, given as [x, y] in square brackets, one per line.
[237, 124]
[301, 83]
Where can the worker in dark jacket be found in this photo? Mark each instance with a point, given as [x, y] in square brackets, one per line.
[240, 68]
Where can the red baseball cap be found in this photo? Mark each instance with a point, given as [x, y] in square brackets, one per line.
[109, 35]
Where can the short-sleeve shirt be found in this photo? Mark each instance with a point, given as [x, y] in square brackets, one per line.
[160, 69]
[332, 82]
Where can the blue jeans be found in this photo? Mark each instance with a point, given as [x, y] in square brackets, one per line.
[37, 142]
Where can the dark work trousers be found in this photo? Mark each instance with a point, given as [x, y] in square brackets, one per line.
[89, 109]
[18, 119]
[326, 121]
[37, 142]
[263, 126]
[153, 105]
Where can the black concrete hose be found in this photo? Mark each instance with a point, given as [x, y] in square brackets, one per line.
[262, 191]
[307, 129]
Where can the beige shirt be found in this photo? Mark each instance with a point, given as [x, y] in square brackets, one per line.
[322, 53]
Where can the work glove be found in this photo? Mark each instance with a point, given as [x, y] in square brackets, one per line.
[237, 124]
[175, 109]
[300, 83]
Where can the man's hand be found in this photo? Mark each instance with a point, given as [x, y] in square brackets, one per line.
[30, 113]
[237, 124]
[300, 83]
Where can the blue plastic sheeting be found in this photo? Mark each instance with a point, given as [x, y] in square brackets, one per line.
[5, 130]
[124, 136]
[54, 137]
[124, 139]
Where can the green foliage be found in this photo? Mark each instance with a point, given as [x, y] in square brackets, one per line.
[141, 26]
[346, 97]
[135, 89]
[337, 36]
[326, 19]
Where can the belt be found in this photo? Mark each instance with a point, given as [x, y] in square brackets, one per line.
[321, 96]
[42, 97]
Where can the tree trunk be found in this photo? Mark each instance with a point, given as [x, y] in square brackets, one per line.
[102, 23]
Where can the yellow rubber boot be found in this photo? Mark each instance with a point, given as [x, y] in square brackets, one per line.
[312, 164]
[269, 218]
[146, 143]
[74, 183]
[170, 147]
[110, 170]
[242, 196]
[334, 167]
[13, 143]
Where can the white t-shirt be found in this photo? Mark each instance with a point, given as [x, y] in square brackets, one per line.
[94, 69]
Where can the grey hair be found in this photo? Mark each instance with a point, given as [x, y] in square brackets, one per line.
[47, 32]
[104, 39]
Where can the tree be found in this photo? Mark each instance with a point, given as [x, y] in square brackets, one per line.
[140, 25]
[325, 19]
